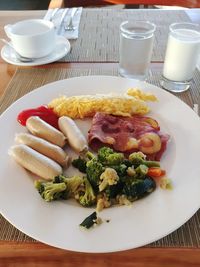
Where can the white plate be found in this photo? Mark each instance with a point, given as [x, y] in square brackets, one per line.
[61, 50]
[198, 63]
[147, 220]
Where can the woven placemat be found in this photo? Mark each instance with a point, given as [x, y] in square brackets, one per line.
[25, 80]
[99, 33]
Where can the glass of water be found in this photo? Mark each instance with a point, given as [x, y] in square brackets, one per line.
[136, 45]
[181, 56]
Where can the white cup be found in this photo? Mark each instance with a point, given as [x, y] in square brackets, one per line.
[136, 45]
[181, 56]
[32, 38]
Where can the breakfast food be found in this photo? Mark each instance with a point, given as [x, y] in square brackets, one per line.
[129, 147]
[139, 94]
[40, 128]
[45, 113]
[109, 178]
[74, 136]
[78, 107]
[35, 162]
[44, 147]
[128, 134]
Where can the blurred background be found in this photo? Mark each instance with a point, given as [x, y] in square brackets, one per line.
[24, 4]
[45, 4]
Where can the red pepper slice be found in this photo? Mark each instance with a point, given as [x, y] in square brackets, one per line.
[43, 112]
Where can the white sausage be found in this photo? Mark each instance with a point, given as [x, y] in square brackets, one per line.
[75, 138]
[35, 162]
[44, 130]
[44, 147]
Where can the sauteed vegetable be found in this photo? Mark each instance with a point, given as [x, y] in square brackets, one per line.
[109, 179]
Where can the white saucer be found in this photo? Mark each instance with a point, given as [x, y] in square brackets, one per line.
[61, 50]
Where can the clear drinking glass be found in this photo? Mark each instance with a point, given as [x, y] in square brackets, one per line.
[181, 56]
[136, 45]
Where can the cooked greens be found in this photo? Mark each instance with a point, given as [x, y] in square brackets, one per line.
[138, 158]
[80, 164]
[60, 188]
[108, 157]
[111, 175]
[109, 178]
[87, 197]
[50, 191]
[89, 221]
[94, 170]
[81, 161]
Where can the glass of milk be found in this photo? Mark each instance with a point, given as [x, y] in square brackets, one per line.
[136, 45]
[181, 56]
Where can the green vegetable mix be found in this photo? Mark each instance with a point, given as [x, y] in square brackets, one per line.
[109, 176]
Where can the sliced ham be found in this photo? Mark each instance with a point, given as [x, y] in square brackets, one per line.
[128, 134]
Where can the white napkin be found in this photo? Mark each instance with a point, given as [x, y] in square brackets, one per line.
[60, 24]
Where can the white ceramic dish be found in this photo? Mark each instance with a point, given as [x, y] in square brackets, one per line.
[33, 38]
[147, 220]
[61, 49]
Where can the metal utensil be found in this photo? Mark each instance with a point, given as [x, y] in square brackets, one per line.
[18, 56]
[69, 26]
[53, 13]
[62, 18]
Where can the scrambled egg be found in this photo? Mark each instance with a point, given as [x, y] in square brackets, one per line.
[78, 107]
[137, 93]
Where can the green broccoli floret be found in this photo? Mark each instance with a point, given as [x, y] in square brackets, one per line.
[108, 157]
[89, 221]
[81, 161]
[80, 164]
[72, 184]
[138, 188]
[141, 171]
[94, 170]
[121, 169]
[89, 155]
[103, 152]
[127, 163]
[89, 198]
[50, 191]
[113, 190]
[138, 158]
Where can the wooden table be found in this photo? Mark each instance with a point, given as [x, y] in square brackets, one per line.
[38, 254]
